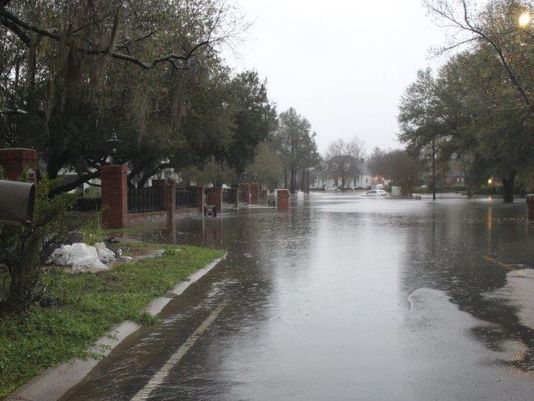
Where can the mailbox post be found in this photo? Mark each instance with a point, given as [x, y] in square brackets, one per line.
[17, 200]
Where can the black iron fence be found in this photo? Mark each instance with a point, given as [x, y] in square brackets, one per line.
[145, 200]
[185, 198]
[230, 196]
[244, 196]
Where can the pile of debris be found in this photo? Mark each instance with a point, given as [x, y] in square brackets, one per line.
[80, 257]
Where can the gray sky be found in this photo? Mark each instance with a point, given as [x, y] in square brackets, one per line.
[342, 64]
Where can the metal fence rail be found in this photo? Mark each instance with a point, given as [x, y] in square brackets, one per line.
[185, 198]
[145, 200]
[244, 196]
[230, 196]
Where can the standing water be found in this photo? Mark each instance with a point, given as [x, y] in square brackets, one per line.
[343, 298]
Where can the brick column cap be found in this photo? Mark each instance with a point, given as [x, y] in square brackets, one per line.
[16, 153]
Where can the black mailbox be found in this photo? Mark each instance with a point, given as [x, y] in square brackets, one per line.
[16, 202]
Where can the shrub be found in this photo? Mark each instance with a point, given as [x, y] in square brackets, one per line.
[23, 248]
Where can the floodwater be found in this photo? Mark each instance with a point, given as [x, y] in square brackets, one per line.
[343, 298]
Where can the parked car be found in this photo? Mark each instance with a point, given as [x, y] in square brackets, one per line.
[377, 193]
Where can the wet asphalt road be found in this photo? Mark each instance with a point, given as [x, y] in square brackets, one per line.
[343, 299]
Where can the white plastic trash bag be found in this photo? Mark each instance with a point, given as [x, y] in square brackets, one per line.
[105, 254]
[81, 257]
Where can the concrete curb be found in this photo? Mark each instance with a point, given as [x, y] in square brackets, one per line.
[54, 382]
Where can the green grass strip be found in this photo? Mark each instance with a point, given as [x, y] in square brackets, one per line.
[85, 307]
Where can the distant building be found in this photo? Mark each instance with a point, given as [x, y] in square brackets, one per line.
[345, 171]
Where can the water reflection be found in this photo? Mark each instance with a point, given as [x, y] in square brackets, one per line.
[470, 262]
[343, 298]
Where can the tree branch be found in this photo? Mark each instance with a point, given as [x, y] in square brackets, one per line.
[75, 184]
[15, 24]
[114, 33]
[16, 30]
[468, 26]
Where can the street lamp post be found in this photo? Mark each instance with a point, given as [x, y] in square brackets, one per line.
[433, 168]
[11, 109]
[112, 147]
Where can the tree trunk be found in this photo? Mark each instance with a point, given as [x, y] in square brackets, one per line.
[24, 287]
[32, 71]
[508, 188]
[293, 180]
[433, 169]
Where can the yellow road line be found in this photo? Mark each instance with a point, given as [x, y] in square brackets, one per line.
[164, 372]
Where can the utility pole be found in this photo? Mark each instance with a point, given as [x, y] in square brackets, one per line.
[433, 169]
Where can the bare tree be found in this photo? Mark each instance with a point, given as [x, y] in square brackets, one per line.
[344, 160]
[494, 25]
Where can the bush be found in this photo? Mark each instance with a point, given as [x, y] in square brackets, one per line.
[23, 248]
[88, 204]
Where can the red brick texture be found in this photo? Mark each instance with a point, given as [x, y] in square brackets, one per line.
[15, 161]
[282, 199]
[169, 196]
[244, 188]
[114, 196]
[254, 193]
[215, 197]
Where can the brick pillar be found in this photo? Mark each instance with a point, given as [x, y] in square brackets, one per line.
[169, 196]
[282, 196]
[215, 197]
[254, 193]
[245, 190]
[15, 161]
[114, 196]
[530, 206]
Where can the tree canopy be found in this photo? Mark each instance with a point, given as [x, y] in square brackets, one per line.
[478, 107]
[296, 145]
[148, 71]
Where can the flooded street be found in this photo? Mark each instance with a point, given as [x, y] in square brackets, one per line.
[343, 298]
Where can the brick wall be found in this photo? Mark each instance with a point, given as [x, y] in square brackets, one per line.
[214, 197]
[15, 161]
[114, 196]
[244, 188]
[282, 199]
[254, 193]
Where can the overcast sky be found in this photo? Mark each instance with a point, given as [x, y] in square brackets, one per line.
[343, 64]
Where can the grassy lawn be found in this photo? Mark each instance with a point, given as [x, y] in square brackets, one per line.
[83, 307]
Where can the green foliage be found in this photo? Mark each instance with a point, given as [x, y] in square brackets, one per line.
[255, 119]
[296, 146]
[267, 165]
[469, 112]
[174, 115]
[83, 307]
[479, 106]
[213, 172]
[91, 228]
[93, 192]
[23, 247]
